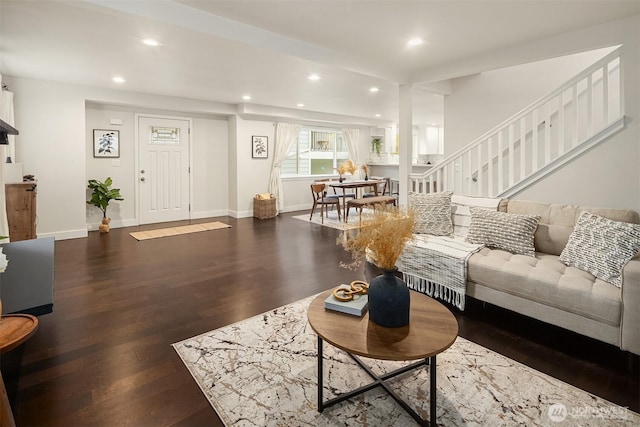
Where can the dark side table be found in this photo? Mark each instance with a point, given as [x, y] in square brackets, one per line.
[15, 329]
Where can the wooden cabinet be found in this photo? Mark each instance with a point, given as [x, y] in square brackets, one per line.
[21, 210]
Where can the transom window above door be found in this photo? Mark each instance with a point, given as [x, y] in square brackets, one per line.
[164, 135]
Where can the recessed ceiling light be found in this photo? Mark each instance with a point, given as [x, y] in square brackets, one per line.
[373, 89]
[314, 77]
[151, 42]
[300, 105]
[118, 79]
[415, 42]
[377, 115]
[246, 97]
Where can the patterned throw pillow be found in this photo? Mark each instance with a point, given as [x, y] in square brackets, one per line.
[508, 231]
[433, 213]
[601, 246]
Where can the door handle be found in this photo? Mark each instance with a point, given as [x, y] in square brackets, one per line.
[142, 179]
[142, 171]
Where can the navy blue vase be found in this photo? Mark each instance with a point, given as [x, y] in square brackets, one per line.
[389, 300]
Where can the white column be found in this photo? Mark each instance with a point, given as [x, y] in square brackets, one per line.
[406, 141]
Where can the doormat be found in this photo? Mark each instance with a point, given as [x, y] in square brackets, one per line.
[263, 372]
[176, 231]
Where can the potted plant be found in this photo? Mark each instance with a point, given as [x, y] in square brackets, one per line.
[376, 145]
[101, 196]
[382, 238]
[365, 169]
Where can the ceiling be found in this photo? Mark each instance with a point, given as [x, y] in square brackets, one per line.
[221, 50]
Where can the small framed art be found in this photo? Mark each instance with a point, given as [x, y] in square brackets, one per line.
[106, 143]
[259, 147]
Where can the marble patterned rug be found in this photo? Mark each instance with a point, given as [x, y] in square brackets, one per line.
[263, 371]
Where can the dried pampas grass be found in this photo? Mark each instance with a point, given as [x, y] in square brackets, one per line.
[383, 235]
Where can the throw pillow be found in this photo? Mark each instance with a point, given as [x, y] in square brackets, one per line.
[508, 231]
[433, 213]
[601, 246]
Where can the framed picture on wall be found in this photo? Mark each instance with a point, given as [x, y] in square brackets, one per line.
[259, 147]
[106, 143]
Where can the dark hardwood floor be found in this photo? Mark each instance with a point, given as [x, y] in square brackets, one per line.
[104, 356]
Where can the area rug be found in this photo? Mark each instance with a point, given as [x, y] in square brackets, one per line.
[174, 231]
[332, 220]
[263, 371]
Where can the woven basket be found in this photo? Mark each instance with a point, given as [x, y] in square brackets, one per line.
[264, 208]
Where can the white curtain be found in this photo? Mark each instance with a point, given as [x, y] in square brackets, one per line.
[8, 116]
[352, 138]
[6, 113]
[286, 134]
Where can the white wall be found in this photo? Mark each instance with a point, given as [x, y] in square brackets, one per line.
[209, 141]
[232, 166]
[210, 149]
[120, 170]
[54, 140]
[51, 146]
[56, 121]
[482, 101]
[55, 144]
[253, 174]
[607, 175]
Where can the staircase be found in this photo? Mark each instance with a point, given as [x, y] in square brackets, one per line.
[544, 136]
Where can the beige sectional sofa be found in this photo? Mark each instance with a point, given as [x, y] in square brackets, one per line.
[545, 288]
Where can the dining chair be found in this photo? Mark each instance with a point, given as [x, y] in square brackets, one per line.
[335, 193]
[382, 188]
[319, 198]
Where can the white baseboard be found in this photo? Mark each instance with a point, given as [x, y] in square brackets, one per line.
[76, 234]
[248, 214]
[65, 235]
[93, 226]
[240, 214]
[209, 214]
[305, 207]
[127, 223]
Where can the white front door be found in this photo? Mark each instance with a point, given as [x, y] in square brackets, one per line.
[163, 175]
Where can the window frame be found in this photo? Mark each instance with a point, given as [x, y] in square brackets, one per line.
[336, 158]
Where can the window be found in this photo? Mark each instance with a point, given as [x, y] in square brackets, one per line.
[163, 135]
[315, 152]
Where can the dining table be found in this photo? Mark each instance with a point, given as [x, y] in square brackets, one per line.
[356, 184]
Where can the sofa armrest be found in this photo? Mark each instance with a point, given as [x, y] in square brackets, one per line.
[630, 323]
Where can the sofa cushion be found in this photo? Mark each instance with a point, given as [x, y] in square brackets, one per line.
[602, 246]
[546, 280]
[511, 232]
[461, 211]
[433, 213]
[557, 221]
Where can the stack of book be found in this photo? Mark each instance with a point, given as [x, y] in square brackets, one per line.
[357, 306]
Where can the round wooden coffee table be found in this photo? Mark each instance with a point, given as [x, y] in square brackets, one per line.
[432, 329]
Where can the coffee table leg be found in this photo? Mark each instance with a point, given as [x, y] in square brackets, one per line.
[320, 403]
[432, 391]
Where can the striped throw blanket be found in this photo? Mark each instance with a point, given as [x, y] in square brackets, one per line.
[437, 266]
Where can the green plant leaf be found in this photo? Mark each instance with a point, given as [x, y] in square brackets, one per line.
[101, 194]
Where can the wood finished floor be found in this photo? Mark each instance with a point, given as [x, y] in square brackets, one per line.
[104, 356]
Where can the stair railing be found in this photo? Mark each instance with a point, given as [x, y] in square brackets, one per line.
[534, 138]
